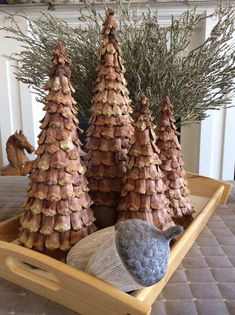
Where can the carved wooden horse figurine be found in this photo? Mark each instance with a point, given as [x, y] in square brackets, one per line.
[19, 164]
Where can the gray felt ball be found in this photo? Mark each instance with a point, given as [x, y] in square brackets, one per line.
[144, 249]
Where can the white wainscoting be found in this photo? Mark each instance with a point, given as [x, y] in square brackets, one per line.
[208, 147]
[18, 107]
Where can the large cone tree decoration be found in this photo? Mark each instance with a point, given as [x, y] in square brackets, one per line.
[143, 195]
[57, 213]
[110, 127]
[173, 166]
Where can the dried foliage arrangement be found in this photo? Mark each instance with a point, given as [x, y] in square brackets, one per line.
[157, 57]
[57, 213]
[143, 195]
[172, 165]
[110, 126]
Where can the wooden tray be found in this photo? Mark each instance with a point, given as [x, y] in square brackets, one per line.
[85, 294]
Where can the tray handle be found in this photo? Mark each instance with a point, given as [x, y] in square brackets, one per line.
[32, 273]
[63, 284]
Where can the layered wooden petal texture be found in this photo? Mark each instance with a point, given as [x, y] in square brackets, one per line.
[172, 165]
[143, 195]
[110, 124]
[57, 213]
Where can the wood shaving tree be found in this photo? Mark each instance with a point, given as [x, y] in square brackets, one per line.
[57, 213]
[143, 195]
[110, 127]
[173, 165]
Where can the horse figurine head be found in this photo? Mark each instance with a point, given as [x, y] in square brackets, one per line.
[19, 163]
[21, 142]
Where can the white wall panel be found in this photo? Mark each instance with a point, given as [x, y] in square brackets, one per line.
[10, 112]
[17, 105]
[190, 134]
[216, 158]
[190, 141]
[31, 114]
[209, 147]
[228, 152]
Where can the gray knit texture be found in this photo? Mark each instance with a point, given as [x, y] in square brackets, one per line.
[144, 249]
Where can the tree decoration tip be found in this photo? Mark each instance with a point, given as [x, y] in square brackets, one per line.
[110, 24]
[109, 11]
[143, 100]
[166, 105]
[60, 55]
[142, 107]
[167, 100]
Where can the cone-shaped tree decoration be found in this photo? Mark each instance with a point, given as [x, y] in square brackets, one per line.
[110, 127]
[173, 166]
[143, 195]
[57, 213]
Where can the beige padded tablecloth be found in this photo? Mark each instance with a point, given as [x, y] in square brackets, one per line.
[204, 283]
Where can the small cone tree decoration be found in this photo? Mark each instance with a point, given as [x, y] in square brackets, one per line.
[110, 127]
[173, 166]
[57, 213]
[143, 195]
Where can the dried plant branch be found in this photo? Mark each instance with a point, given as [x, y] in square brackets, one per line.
[157, 58]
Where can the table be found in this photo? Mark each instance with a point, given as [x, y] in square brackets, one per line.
[204, 284]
